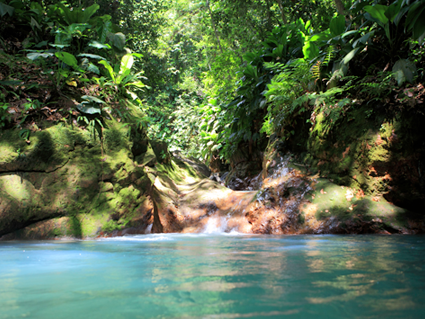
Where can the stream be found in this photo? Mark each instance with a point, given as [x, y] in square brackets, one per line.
[214, 275]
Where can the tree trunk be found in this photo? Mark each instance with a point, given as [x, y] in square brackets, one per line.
[339, 7]
[282, 12]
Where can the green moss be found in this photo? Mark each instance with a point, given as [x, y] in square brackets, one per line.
[110, 226]
[91, 224]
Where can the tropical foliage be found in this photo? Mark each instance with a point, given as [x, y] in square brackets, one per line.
[210, 76]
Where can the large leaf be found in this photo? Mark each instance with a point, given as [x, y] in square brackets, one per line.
[377, 12]
[92, 99]
[363, 39]
[109, 68]
[88, 108]
[4, 9]
[67, 58]
[310, 50]
[337, 25]
[36, 55]
[393, 10]
[138, 84]
[350, 55]
[98, 45]
[88, 12]
[400, 15]
[77, 15]
[415, 20]
[348, 33]
[404, 70]
[104, 26]
[93, 68]
[414, 14]
[92, 56]
[117, 39]
[126, 64]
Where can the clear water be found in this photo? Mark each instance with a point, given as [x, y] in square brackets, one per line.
[215, 276]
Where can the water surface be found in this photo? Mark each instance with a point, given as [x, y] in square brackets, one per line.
[215, 276]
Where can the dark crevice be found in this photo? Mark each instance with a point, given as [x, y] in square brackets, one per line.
[21, 225]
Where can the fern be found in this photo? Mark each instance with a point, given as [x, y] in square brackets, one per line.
[316, 69]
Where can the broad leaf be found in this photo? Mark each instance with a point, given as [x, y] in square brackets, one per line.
[126, 64]
[98, 45]
[337, 25]
[4, 9]
[393, 10]
[349, 56]
[363, 39]
[109, 68]
[60, 46]
[92, 99]
[67, 58]
[93, 68]
[36, 55]
[92, 56]
[346, 34]
[415, 21]
[377, 12]
[88, 12]
[138, 84]
[310, 50]
[88, 108]
[117, 39]
[404, 70]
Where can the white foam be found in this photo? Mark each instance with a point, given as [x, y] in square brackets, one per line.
[215, 224]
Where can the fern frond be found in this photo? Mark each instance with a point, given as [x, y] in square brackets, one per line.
[329, 55]
[316, 69]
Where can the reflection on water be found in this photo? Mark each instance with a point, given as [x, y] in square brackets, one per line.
[220, 276]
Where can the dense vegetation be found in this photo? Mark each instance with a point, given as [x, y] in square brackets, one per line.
[214, 76]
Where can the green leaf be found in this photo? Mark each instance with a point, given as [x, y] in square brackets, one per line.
[92, 56]
[88, 108]
[404, 70]
[400, 15]
[35, 55]
[377, 12]
[5, 9]
[393, 10]
[117, 39]
[319, 37]
[126, 64]
[387, 31]
[350, 55]
[109, 68]
[346, 34]
[67, 58]
[414, 13]
[138, 84]
[98, 45]
[416, 23]
[92, 99]
[104, 27]
[363, 39]
[11, 82]
[88, 12]
[93, 68]
[337, 25]
[60, 46]
[310, 50]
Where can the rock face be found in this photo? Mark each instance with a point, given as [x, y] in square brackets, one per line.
[67, 183]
